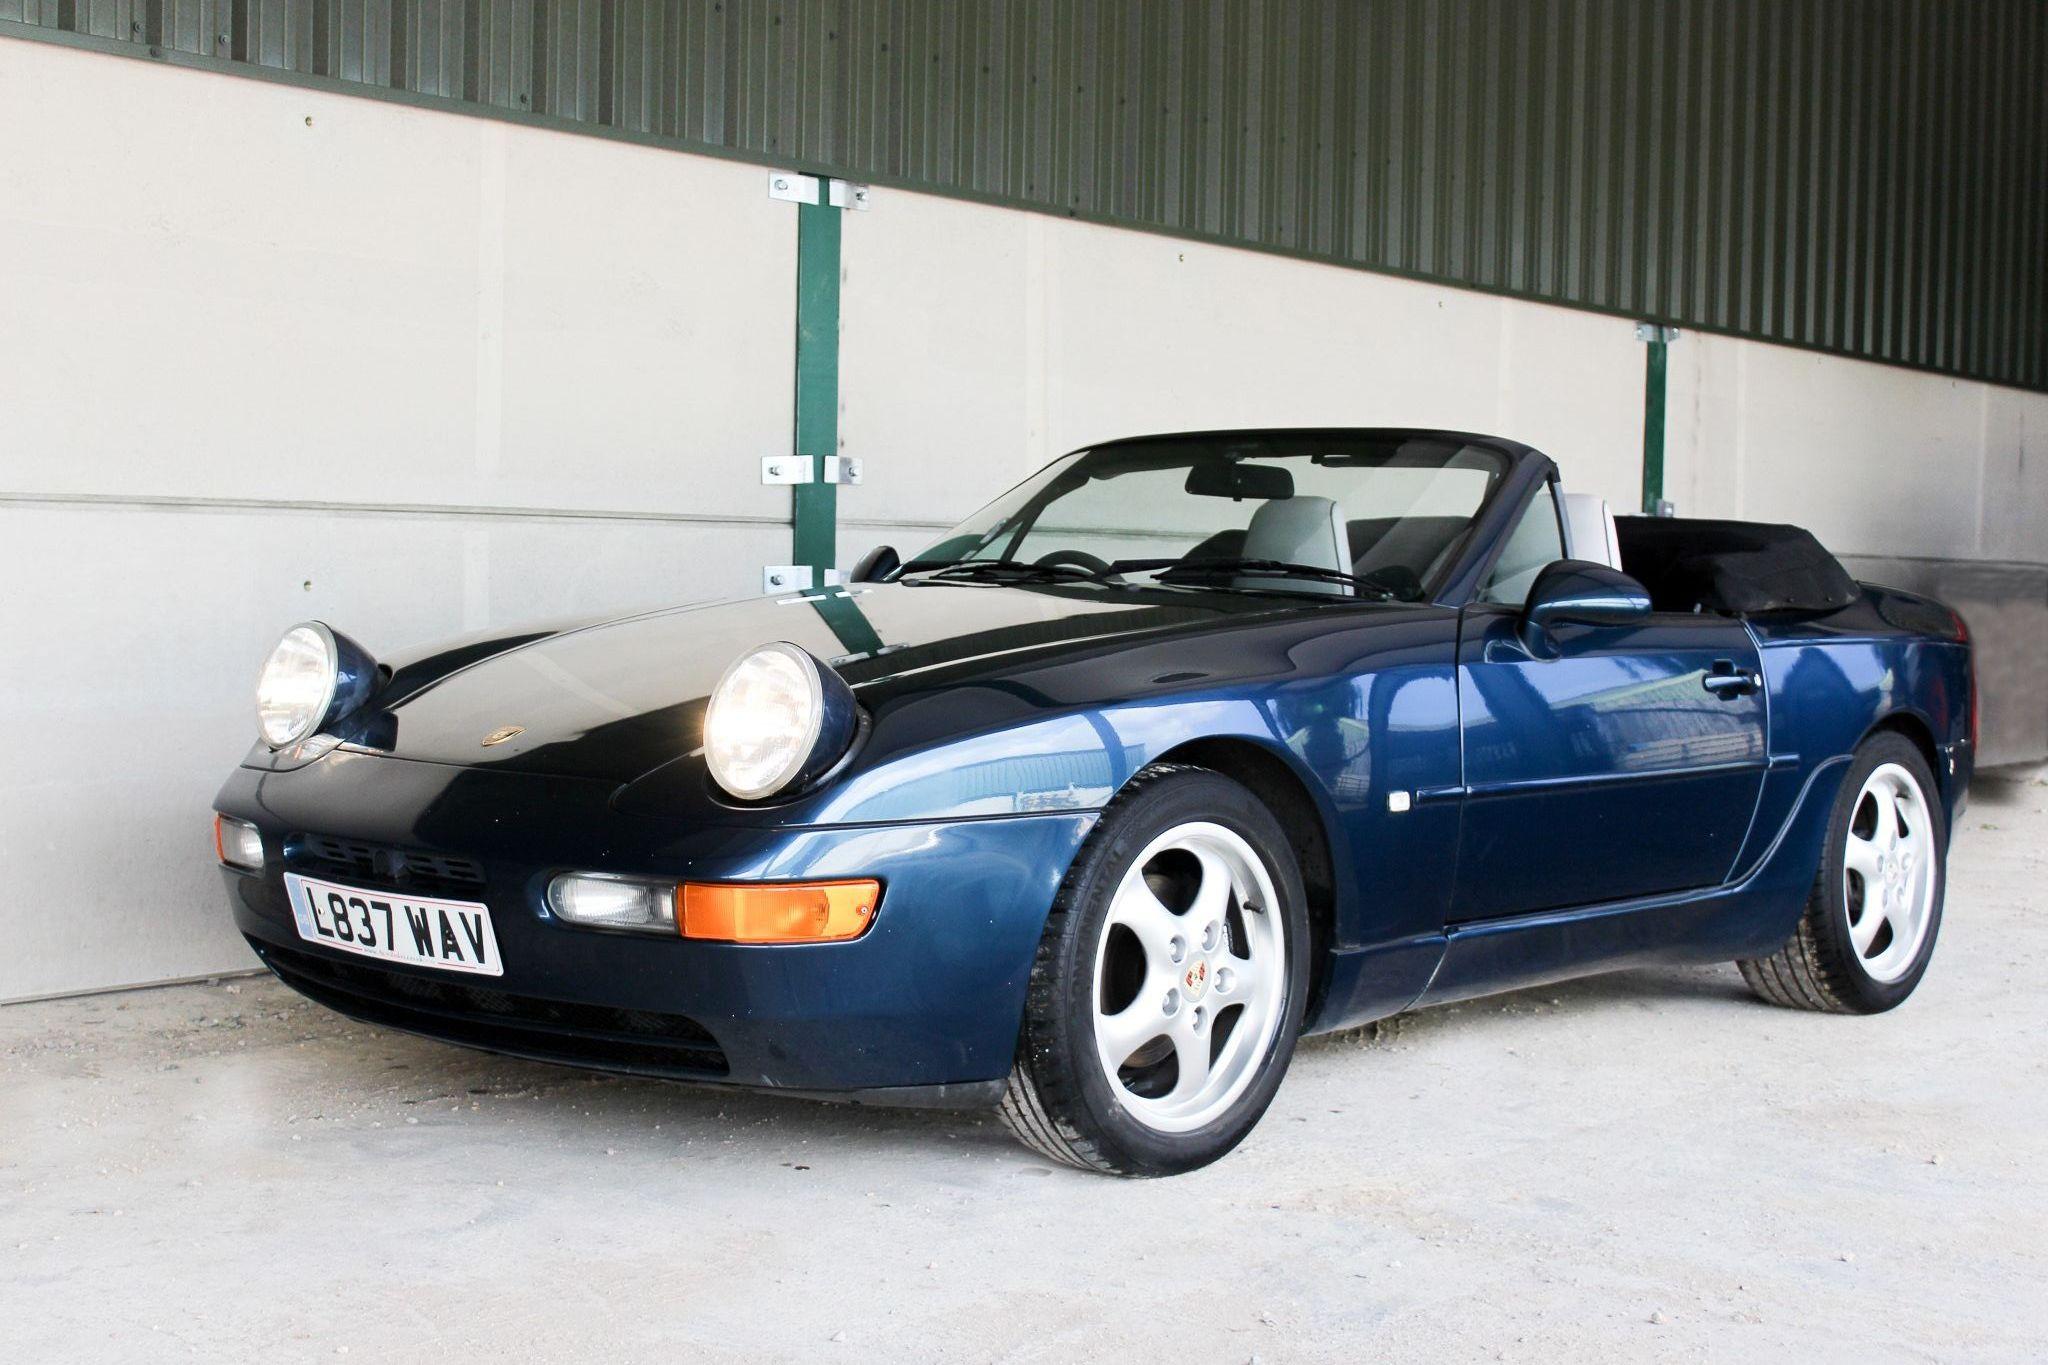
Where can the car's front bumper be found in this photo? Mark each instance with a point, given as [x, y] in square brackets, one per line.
[922, 1008]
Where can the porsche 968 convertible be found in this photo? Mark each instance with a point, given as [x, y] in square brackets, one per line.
[1182, 748]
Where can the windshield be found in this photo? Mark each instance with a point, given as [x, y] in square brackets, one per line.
[1344, 513]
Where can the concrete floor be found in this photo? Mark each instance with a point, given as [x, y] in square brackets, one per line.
[1648, 1166]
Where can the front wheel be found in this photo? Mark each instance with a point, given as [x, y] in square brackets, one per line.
[1871, 921]
[1169, 984]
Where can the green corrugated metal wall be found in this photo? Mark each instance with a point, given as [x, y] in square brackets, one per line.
[1861, 176]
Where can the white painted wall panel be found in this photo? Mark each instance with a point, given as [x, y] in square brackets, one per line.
[1573, 388]
[1874, 459]
[979, 343]
[649, 344]
[222, 288]
[209, 297]
[941, 361]
[2014, 498]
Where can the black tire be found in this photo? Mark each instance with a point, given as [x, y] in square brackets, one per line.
[1059, 1100]
[1818, 968]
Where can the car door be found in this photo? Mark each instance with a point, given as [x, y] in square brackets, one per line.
[1627, 765]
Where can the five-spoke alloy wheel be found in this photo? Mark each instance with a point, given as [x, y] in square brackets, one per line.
[1169, 985]
[1888, 877]
[1190, 977]
[1870, 923]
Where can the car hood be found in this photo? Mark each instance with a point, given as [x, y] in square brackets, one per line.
[617, 699]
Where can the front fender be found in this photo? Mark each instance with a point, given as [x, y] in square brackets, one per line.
[1072, 762]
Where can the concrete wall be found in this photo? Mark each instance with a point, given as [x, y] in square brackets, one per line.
[1878, 461]
[272, 355]
[977, 343]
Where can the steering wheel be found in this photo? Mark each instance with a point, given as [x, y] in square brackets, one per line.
[1078, 558]
[1398, 579]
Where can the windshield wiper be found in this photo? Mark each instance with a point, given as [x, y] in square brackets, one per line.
[1164, 571]
[1008, 570]
[1274, 568]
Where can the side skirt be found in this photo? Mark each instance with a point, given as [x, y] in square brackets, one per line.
[1751, 915]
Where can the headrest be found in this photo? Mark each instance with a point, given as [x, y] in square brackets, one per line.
[1589, 532]
[1302, 530]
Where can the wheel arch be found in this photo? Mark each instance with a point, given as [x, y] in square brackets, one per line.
[1275, 782]
[1915, 728]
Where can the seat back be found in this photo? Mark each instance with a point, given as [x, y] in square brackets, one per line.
[1299, 530]
[1589, 532]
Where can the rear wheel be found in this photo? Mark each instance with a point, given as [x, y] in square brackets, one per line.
[1871, 921]
[1169, 984]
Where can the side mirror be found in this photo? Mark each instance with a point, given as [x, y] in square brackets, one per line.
[876, 564]
[1577, 591]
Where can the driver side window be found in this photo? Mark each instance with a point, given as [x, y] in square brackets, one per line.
[1535, 543]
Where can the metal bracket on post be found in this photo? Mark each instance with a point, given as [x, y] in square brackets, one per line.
[792, 469]
[797, 578]
[1650, 331]
[841, 194]
[797, 188]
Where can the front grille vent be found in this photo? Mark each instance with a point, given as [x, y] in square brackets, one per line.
[486, 1017]
[380, 863]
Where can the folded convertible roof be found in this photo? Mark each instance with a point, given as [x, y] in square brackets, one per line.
[1732, 566]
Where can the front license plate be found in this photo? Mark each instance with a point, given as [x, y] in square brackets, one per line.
[454, 936]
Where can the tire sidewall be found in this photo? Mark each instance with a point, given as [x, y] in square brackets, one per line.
[1174, 799]
[1866, 993]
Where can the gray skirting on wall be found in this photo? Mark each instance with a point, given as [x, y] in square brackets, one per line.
[2006, 608]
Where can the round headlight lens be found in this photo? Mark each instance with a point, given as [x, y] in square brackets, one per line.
[763, 722]
[297, 685]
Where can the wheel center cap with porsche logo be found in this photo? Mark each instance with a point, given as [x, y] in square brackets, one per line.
[1195, 980]
[503, 733]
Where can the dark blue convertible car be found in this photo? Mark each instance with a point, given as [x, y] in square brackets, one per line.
[1183, 747]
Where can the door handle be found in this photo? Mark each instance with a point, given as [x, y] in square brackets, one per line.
[1725, 680]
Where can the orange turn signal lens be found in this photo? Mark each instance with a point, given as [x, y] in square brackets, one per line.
[777, 912]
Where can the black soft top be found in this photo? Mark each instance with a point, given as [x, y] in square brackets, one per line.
[1738, 567]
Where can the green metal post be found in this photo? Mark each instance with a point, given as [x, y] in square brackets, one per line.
[842, 615]
[817, 381]
[1653, 420]
[816, 512]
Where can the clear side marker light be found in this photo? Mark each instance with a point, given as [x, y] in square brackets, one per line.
[598, 901]
[237, 843]
[1398, 802]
